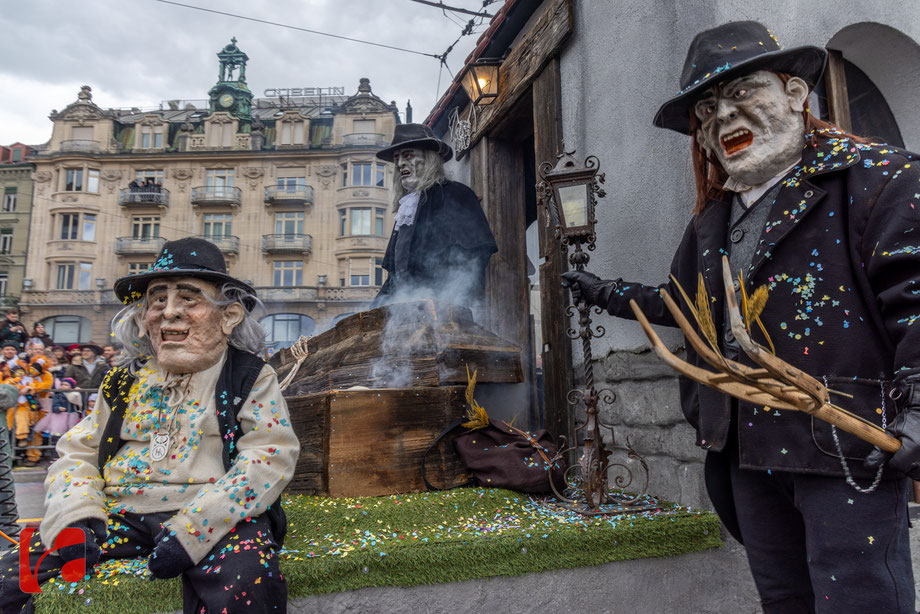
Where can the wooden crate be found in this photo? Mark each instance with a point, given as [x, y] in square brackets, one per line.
[428, 343]
[370, 442]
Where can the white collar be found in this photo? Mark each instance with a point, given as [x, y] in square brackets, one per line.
[408, 207]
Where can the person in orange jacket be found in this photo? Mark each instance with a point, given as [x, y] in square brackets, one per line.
[29, 379]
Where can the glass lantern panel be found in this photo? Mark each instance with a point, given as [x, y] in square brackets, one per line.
[574, 203]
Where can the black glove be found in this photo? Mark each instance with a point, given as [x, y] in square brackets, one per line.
[169, 558]
[589, 287]
[906, 427]
[94, 534]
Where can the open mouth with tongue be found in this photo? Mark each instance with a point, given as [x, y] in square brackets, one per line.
[736, 141]
[173, 334]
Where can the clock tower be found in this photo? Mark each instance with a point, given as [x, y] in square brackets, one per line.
[231, 94]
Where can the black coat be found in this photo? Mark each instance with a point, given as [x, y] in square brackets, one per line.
[19, 335]
[450, 241]
[840, 254]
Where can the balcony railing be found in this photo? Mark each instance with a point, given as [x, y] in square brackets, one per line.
[216, 195]
[142, 198]
[293, 195]
[133, 246]
[226, 243]
[81, 145]
[287, 244]
[360, 139]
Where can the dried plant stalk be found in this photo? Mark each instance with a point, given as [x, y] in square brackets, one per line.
[476, 413]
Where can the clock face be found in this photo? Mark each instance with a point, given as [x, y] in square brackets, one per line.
[226, 100]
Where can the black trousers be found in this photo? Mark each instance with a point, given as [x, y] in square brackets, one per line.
[240, 574]
[816, 545]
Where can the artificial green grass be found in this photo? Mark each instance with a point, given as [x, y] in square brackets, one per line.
[405, 540]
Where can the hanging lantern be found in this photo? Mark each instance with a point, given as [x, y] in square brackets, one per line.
[481, 80]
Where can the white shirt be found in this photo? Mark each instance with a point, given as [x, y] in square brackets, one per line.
[408, 207]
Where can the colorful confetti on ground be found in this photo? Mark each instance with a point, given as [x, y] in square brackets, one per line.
[424, 538]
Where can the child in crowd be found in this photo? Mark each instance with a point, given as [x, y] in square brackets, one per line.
[66, 408]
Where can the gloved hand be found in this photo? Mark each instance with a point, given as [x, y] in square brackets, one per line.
[94, 534]
[169, 558]
[589, 287]
[906, 427]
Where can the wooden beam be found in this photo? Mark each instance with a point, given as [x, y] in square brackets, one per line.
[557, 350]
[538, 46]
[835, 84]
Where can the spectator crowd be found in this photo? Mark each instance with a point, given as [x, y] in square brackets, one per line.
[57, 385]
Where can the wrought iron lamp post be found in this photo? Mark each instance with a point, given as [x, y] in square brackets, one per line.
[570, 191]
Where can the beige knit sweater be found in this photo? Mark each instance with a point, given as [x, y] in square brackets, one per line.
[191, 480]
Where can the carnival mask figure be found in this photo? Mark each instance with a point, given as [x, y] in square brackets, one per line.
[753, 125]
[441, 242]
[151, 470]
[822, 220]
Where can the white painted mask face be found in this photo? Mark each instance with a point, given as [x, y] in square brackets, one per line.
[411, 165]
[753, 125]
[188, 332]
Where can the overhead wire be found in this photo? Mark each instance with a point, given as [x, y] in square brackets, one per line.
[290, 27]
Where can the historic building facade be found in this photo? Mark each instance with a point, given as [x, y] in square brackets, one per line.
[15, 211]
[289, 189]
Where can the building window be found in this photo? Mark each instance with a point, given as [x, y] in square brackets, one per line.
[292, 132]
[17, 154]
[361, 173]
[365, 126]
[378, 271]
[360, 221]
[4, 282]
[81, 180]
[217, 225]
[291, 184]
[68, 329]
[288, 273]
[289, 223]
[138, 267]
[283, 329]
[70, 227]
[359, 271]
[380, 177]
[155, 176]
[344, 174]
[70, 224]
[6, 241]
[379, 217]
[74, 275]
[151, 137]
[9, 197]
[220, 177]
[89, 227]
[145, 227]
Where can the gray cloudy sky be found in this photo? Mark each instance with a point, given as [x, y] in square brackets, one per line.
[141, 52]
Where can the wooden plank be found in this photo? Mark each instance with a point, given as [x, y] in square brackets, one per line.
[377, 439]
[556, 351]
[835, 85]
[309, 418]
[537, 47]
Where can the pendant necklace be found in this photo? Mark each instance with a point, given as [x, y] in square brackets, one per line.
[160, 441]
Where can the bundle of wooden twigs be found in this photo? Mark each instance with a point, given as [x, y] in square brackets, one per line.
[777, 384]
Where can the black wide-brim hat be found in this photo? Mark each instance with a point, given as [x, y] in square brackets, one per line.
[419, 136]
[92, 346]
[730, 51]
[189, 257]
